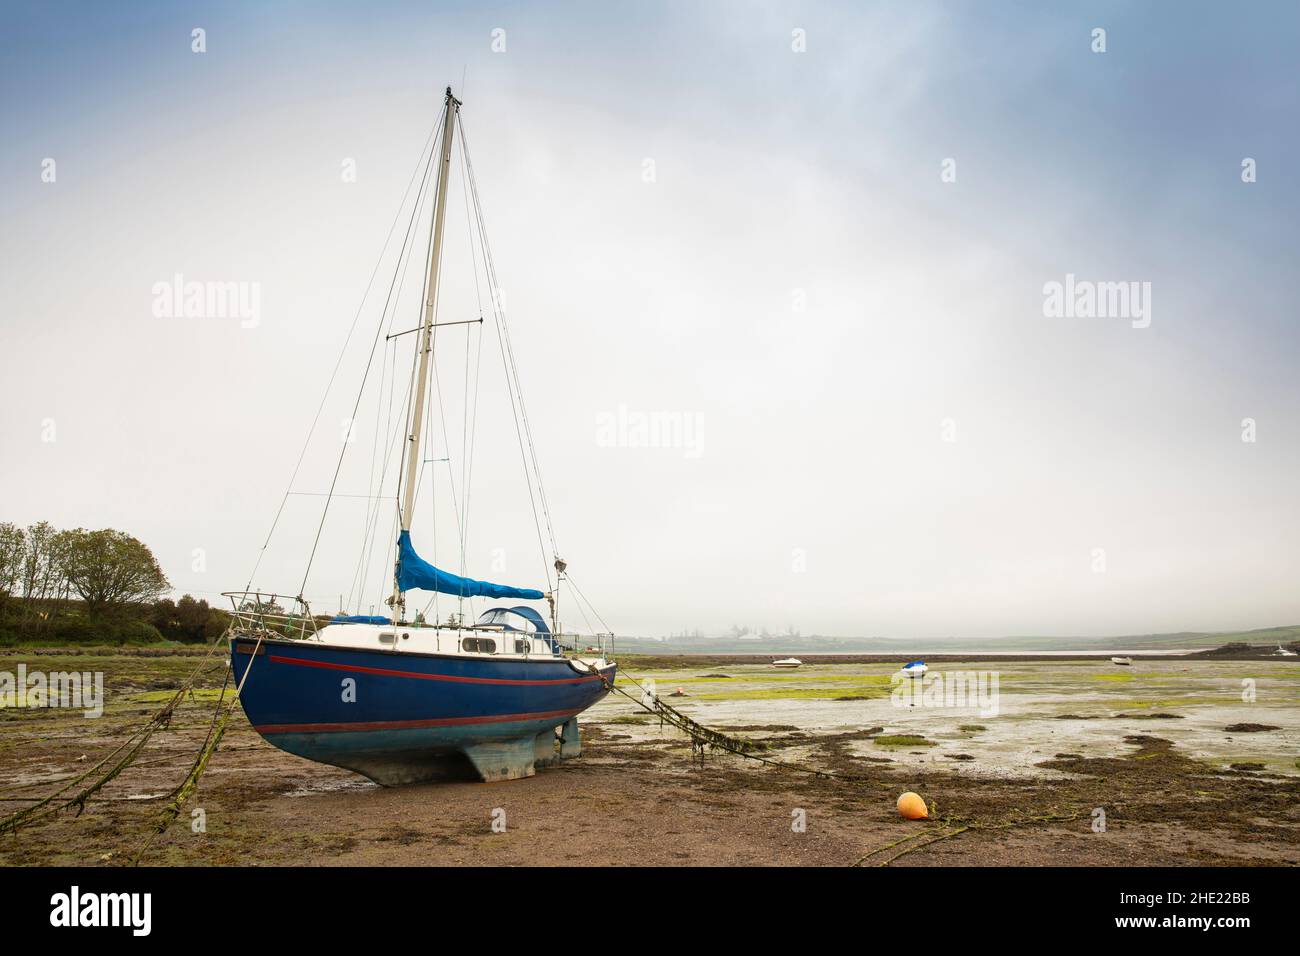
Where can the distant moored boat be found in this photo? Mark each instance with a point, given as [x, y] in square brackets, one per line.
[787, 662]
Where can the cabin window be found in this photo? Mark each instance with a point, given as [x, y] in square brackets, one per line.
[508, 619]
[387, 637]
[479, 645]
[522, 647]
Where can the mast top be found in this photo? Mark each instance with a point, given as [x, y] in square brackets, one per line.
[452, 98]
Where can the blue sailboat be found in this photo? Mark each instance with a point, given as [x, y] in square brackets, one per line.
[399, 700]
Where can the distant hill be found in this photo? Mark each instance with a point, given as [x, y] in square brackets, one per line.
[1265, 635]
[905, 647]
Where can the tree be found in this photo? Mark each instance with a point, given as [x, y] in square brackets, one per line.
[189, 619]
[41, 573]
[13, 551]
[111, 570]
[36, 561]
[192, 615]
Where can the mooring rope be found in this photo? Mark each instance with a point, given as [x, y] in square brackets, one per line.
[133, 745]
[47, 807]
[954, 825]
[702, 736]
[216, 730]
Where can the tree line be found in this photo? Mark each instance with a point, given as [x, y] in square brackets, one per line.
[83, 587]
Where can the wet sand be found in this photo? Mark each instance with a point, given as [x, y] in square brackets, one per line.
[1147, 745]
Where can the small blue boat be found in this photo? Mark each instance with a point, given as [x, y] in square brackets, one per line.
[396, 698]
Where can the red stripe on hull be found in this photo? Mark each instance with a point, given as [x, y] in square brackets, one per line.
[408, 724]
[386, 672]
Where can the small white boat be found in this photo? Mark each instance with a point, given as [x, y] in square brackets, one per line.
[914, 669]
[1283, 652]
[787, 662]
[1122, 660]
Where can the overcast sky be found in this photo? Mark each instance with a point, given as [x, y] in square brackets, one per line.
[814, 239]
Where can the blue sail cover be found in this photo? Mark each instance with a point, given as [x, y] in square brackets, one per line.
[359, 619]
[415, 572]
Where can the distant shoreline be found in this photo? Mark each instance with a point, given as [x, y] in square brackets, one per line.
[823, 657]
[1231, 651]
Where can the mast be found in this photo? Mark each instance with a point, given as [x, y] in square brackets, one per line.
[450, 108]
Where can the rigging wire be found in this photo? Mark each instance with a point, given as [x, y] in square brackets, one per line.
[471, 423]
[469, 419]
[522, 428]
[397, 429]
[578, 591]
[374, 454]
[368, 541]
[342, 352]
[379, 329]
[460, 499]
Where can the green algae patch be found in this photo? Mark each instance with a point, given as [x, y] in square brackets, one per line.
[764, 677]
[1189, 700]
[971, 728]
[209, 694]
[903, 740]
[863, 692]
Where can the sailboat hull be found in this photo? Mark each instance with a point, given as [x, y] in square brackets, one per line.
[401, 717]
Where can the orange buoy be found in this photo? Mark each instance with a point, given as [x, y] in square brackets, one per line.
[912, 807]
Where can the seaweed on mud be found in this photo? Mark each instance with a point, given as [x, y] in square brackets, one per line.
[1161, 716]
[904, 740]
[1235, 814]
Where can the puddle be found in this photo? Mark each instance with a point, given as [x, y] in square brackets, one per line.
[333, 786]
[1044, 708]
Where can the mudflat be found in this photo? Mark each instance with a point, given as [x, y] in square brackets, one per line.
[1170, 761]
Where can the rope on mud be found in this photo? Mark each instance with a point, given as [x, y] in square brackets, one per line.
[133, 745]
[914, 843]
[71, 779]
[216, 730]
[702, 736]
[139, 764]
[48, 806]
[954, 825]
[186, 788]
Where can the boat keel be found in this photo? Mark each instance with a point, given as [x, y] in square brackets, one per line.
[545, 752]
[556, 744]
[504, 759]
[570, 739]
[521, 756]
